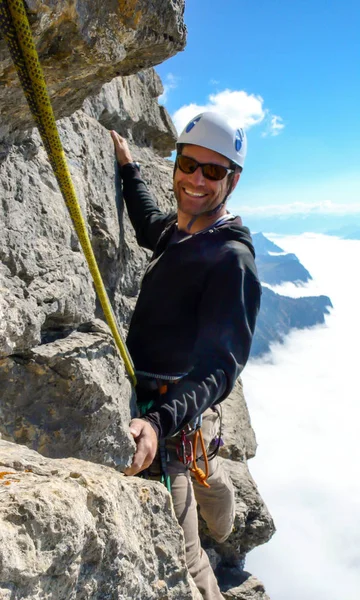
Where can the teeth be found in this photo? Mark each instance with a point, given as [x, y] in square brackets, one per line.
[194, 194]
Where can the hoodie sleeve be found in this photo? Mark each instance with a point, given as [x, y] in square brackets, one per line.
[227, 316]
[146, 217]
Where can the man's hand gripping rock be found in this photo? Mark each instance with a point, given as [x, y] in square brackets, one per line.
[146, 446]
[123, 154]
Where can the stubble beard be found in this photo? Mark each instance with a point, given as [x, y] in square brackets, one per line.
[209, 205]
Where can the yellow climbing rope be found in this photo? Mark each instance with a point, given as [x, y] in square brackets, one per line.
[16, 30]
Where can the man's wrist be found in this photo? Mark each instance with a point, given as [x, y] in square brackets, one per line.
[152, 419]
[131, 164]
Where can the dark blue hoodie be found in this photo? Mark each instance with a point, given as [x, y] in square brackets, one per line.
[196, 311]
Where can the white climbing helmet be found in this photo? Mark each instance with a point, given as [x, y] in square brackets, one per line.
[214, 132]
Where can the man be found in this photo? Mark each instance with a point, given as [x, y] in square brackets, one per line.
[191, 331]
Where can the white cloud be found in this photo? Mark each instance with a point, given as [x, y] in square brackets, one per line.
[326, 207]
[171, 83]
[305, 411]
[275, 125]
[242, 109]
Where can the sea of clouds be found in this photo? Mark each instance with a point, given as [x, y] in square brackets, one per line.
[304, 401]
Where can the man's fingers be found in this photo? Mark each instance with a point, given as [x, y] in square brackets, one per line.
[142, 459]
[122, 151]
[146, 446]
[135, 430]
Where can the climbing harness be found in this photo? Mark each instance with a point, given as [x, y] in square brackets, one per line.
[15, 28]
[186, 449]
[187, 453]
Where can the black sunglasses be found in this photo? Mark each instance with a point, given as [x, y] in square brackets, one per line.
[189, 165]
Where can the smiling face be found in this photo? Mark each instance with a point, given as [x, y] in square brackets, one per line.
[197, 195]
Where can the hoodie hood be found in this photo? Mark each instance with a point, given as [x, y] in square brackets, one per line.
[233, 229]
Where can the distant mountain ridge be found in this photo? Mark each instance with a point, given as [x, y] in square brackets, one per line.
[279, 314]
[278, 267]
[347, 232]
[263, 245]
[296, 224]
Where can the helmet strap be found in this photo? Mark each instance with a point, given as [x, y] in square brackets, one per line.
[208, 213]
[213, 211]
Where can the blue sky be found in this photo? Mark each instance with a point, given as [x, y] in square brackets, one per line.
[289, 72]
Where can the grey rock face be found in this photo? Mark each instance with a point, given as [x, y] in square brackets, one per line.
[127, 105]
[239, 436]
[73, 529]
[69, 398]
[250, 589]
[41, 262]
[44, 275]
[85, 44]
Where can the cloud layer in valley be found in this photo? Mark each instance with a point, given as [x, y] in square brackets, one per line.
[304, 405]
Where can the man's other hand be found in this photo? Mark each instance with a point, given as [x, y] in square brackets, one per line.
[123, 154]
[146, 446]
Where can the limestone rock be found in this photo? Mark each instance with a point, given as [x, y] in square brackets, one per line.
[250, 589]
[253, 524]
[85, 44]
[73, 529]
[129, 105]
[239, 436]
[70, 397]
[44, 276]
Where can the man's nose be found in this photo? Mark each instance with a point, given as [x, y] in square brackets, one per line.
[197, 178]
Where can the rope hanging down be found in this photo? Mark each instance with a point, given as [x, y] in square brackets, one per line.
[16, 30]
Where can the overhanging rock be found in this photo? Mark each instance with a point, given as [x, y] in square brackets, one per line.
[83, 45]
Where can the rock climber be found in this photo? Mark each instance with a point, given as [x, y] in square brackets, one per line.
[192, 327]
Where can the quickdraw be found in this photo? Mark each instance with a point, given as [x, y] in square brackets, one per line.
[187, 454]
[15, 28]
[199, 474]
[185, 450]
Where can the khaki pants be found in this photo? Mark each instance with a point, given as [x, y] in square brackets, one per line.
[217, 507]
